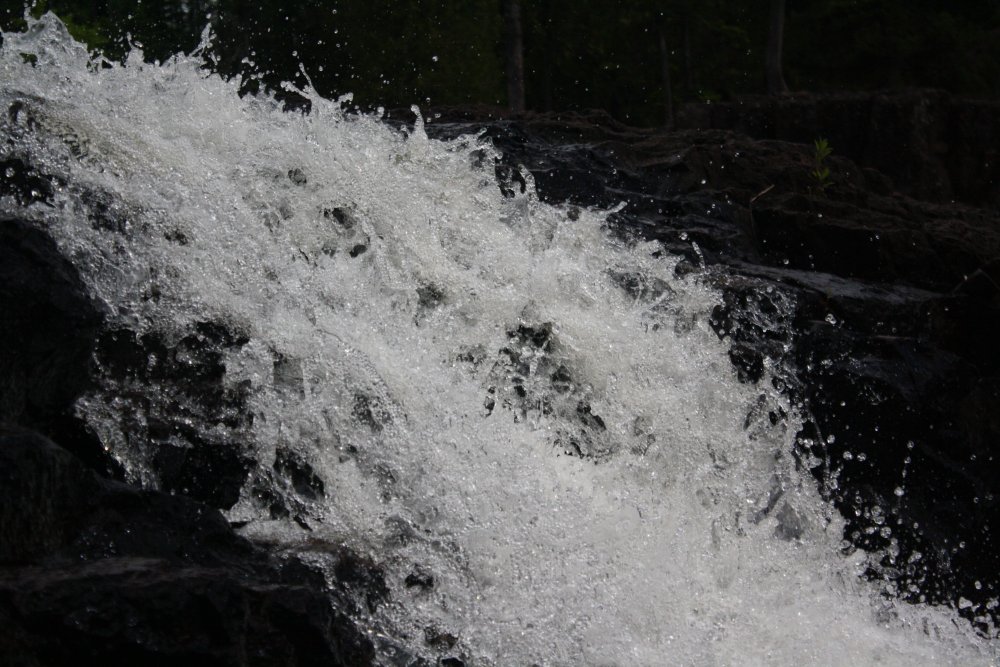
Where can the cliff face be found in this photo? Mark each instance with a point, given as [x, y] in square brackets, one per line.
[932, 145]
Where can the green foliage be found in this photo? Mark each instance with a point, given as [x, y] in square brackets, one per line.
[578, 55]
[820, 171]
[582, 55]
[944, 44]
[386, 53]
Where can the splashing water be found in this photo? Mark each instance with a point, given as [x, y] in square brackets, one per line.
[485, 389]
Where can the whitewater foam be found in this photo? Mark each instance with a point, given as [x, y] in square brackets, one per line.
[490, 388]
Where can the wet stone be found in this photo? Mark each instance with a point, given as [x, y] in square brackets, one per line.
[98, 571]
[211, 473]
[420, 578]
[341, 216]
[439, 639]
[288, 465]
[363, 577]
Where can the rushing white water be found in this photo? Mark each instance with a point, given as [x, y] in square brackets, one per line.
[438, 381]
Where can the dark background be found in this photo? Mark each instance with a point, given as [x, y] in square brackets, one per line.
[577, 55]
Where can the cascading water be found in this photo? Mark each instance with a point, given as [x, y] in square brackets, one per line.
[486, 392]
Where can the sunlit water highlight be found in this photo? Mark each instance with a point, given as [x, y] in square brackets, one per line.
[446, 356]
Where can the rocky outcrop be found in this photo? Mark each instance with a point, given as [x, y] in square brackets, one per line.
[881, 308]
[931, 144]
[47, 331]
[93, 571]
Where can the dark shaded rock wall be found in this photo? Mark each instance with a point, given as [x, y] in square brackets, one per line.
[47, 332]
[931, 144]
[93, 571]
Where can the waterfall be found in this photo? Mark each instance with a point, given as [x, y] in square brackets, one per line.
[524, 418]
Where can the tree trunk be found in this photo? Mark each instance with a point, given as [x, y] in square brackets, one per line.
[775, 41]
[686, 26]
[514, 50]
[668, 96]
[548, 18]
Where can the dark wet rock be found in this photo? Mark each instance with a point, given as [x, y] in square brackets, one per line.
[43, 493]
[47, 332]
[92, 570]
[420, 578]
[288, 489]
[137, 611]
[299, 474]
[930, 144]
[211, 473]
[362, 576]
[176, 392]
[439, 639]
[531, 378]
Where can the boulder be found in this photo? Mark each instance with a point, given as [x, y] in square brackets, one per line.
[93, 571]
[47, 333]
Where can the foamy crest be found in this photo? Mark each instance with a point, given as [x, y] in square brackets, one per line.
[492, 390]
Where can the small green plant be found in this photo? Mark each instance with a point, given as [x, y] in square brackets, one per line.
[821, 172]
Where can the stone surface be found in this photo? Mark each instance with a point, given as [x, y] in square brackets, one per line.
[47, 332]
[930, 144]
[93, 571]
